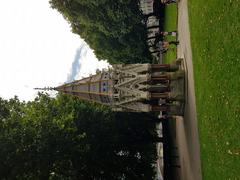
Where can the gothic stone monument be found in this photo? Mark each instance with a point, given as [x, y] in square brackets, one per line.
[131, 87]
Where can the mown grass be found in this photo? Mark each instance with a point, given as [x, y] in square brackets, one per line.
[215, 40]
[170, 24]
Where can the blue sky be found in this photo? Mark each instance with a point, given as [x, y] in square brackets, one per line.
[37, 49]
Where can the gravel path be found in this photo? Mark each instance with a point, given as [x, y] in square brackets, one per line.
[186, 129]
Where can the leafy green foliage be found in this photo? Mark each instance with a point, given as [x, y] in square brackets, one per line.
[114, 29]
[64, 138]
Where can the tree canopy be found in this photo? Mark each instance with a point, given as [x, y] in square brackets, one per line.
[64, 138]
[113, 28]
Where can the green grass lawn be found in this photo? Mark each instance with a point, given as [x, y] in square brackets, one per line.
[170, 24]
[215, 40]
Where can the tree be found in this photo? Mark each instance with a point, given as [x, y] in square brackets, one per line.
[114, 29]
[64, 138]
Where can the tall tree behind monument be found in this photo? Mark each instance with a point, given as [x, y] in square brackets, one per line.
[114, 29]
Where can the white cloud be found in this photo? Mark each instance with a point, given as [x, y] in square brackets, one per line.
[36, 48]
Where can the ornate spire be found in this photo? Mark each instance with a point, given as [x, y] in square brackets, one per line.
[131, 87]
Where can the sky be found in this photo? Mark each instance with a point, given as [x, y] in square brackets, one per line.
[38, 49]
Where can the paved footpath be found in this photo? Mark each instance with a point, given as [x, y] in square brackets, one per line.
[186, 129]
